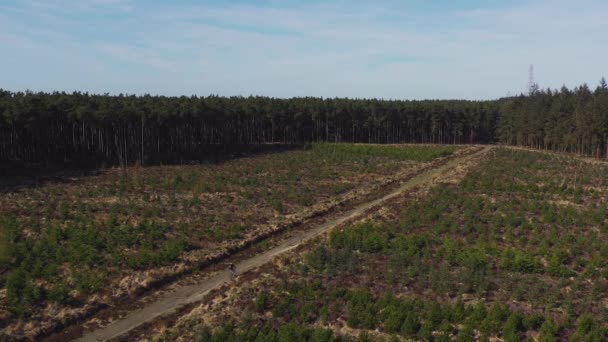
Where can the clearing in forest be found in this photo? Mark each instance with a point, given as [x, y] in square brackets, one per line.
[73, 247]
[515, 249]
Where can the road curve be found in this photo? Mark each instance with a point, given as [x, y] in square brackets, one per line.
[193, 293]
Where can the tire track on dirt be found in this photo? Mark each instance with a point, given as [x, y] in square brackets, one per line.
[193, 293]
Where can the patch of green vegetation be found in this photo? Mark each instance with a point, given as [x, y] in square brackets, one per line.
[88, 249]
[364, 152]
[288, 332]
[4, 248]
[365, 237]
[301, 303]
[62, 242]
[232, 232]
[522, 237]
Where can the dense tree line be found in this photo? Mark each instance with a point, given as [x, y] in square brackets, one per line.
[47, 128]
[56, 127]
[564, 120]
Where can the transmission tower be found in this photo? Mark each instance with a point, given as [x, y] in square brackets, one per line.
[531, 83]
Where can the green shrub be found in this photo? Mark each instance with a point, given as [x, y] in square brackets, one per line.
[588, 329]
[365, 237]
[459, 312]
[21, 293]
[318, 257]
[262, 301]
[512, 327]
[203, 334]
[411, 325]
[548, 332]
[520, 261]
[60, 293]
[533, 322]
[394, 316]
[331, 260]
[426, 331]
[466, 334]
[322, 335]
[493, 323]
[4, 249]
[88, 282]
[445, 330]
[361, 310]
[277, 204]
[364, 337]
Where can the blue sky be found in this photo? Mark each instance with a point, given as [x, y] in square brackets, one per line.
[414, 49]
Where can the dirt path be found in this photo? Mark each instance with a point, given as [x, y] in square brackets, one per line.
[193, 293]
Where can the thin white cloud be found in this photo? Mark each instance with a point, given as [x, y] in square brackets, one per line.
[136, 55]
[67, 6]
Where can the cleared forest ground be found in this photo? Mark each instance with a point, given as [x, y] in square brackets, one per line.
[514, 250]
[77, 246]
[182, 296]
